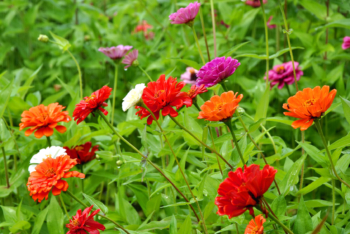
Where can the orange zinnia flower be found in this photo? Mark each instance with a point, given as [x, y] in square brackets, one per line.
[220, 107]
[308, 105]
[48, 176]
[255, 226]
[43, 119]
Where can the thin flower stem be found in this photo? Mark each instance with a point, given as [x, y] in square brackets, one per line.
[48, 141]
[208, 147]
[217, 158]
[213, 21]
[178, 163]
[319, 128]
[199, 48]
[5, 166]
[333, 208]
[103, 216]
[14, 139]
[229, 124]
[204, 34]
[82, 181]
[150, 79]
[64, 206]
[80, 76]
[275, 218]
[237, 228]
[223, 85]
[267, 44]
[149, 161]
[114, 90]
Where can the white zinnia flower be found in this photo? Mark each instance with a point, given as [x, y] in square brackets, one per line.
[133, 97]
[52, 152]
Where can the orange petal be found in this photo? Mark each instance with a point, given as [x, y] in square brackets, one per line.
[61, 129]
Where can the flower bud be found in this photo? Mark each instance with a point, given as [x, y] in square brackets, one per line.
[240, 110]
[87, 38]
[136, 63]
[97, 156]
[119, 162]
[43, 38]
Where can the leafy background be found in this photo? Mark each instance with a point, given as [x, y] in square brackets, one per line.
[131, 192]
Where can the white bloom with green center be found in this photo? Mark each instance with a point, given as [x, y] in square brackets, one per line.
[133, 97]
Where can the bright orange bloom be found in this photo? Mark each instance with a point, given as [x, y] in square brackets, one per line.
[48, 176]
[220, 107]
[308, 105]
[255, 226]
[43, 119]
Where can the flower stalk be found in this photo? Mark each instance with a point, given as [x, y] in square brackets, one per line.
[79, 72]
[197, 42]
[5, 167]
[267, 44]
[64, 206]
[144, 72]
[213, 21]
[114, 89]
[48, 141]
[204, 34]
[229, 124]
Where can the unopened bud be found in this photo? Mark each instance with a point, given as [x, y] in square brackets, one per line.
[135, 63]
[97, 156]
[119, 162]
[43, 38]
[240, 110]
[87, 38]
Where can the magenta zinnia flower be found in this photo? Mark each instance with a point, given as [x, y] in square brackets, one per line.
[254, 3]
[270, 26]
[346, 43]
[283, 74]
[185, 15]
[130, 58]
[216, 70]
[115, 52]
[190, 76]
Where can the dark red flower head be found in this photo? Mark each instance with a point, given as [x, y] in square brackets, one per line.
[195, 90]
[242, 191]
[84, 223]
[163, 95]
[82, 152]
[92, 103]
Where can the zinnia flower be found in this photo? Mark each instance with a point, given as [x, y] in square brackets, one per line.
[346, 43]
[220, 107]
[283, 74]
[49, 152]
[130, 58]
[43, 119]
[185, 15]
[82, 152]
[48, 177]
[195, 90]
[115, 52]
[190, 76]
[270, 26]
[163, 95]
[255, 3]
[216, 70]
[308, 105]
[242, 191]
[255, 226]
[133, 97]
[143, 27]
[95, 102]
[83, 223]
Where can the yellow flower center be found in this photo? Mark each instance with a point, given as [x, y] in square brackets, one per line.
[79, 148]
[50, 172]
[255, 230]
[280, 69]
[309, 102]
[88, 99]
[75, 222]
[157, 94]
[219, 106]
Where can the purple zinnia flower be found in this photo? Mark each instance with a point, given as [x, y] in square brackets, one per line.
[283, 74]
[216, 70]
[270, 26]
[130, 58]
[346, 43]
[190, 76]
[185, 15]
[115, 52]
[255, 3]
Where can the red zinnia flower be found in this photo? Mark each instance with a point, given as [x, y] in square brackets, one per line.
[255, 226]
[82, 152]
[82, 223]
[92, 103]
[195, 90]
[163, 95]
[242, 191]
[48, 176]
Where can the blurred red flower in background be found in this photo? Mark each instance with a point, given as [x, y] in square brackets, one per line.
[82, 152]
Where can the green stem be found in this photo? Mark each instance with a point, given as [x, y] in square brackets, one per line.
[204, 34]
[150, 79]
[333, 208]
[48, 141]
[80, 76]
[14, 139]
[64, 206]
[276, 220]
[229, 124]
[114, 90]
[5, 166]
[103, 216]
[199, 48]
[146, 158]
[82, 181]
[319, 128]
[213, 21]
[208, 147]
[223, 85]
[267, 44]
[217, 158]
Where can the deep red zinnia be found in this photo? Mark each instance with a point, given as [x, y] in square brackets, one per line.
[242, 191]
[163, 95]
[82, 223]
[92, 103]
[82, 152]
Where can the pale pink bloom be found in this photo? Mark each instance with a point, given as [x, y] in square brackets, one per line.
[115, 52]
[185, 15]
[346, 43]
[271, 26]
[190, 76]
[130, 58]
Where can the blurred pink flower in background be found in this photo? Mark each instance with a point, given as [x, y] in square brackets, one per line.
[115, 52]
[254, 3]
[271, 26]
[185, 15]
[130, 58]
[346, 43]
[283, 74]
[190, 76]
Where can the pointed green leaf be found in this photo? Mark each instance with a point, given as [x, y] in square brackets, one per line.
[54, 217]
[303, 222]
[97, 204]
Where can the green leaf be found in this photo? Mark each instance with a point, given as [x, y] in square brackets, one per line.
[189, 63]
[97, 204]
[314, 153]
[263, 105]
[4, 97]
[346, 107]
[186, 226]
[29, 81]
[61, 42]
[263, 56]
[173, 225]
[279, 205]
[320, 11]
[343, 23]
[230, 52]
[342, 142]
[314, 185]
[40, 218]
[20, 226]
[54, 217]
[303, 222]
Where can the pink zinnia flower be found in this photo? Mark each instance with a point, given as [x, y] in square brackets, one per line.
[185, 15]
[254, 3]
[346, 43]
[271, 26]
[130, 58]
[190, 76]
[216, 70]
[115, 52]
[283, 74]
